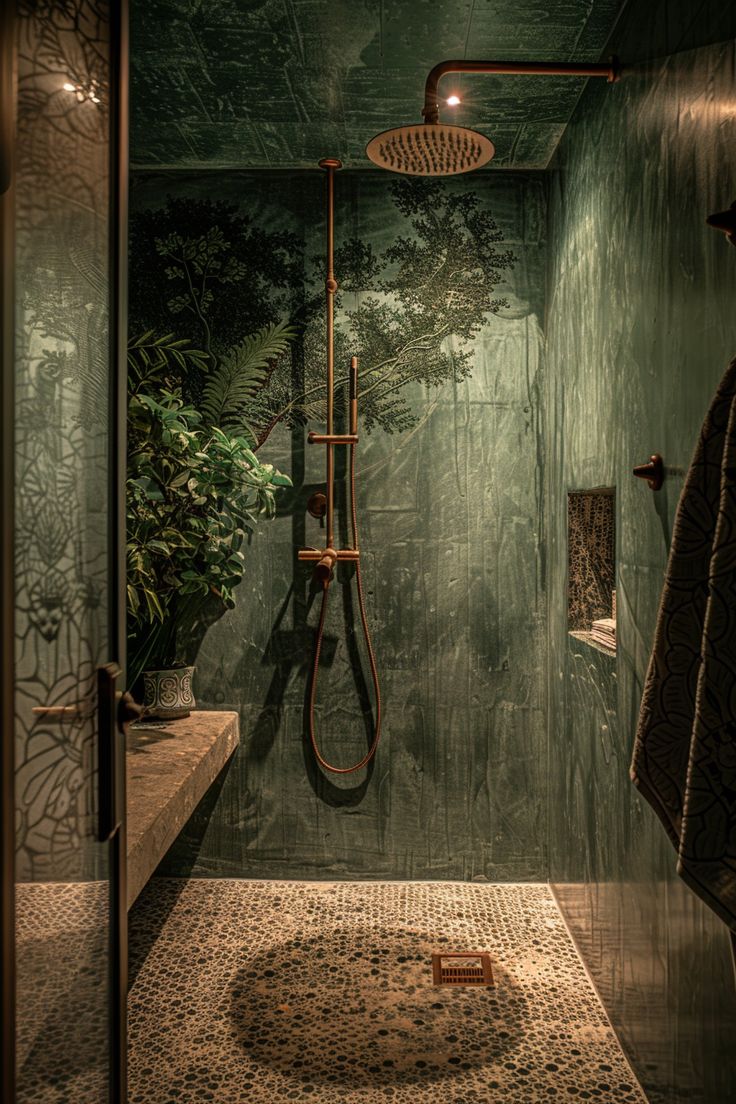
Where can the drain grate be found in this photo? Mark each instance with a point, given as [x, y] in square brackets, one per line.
[462, 968]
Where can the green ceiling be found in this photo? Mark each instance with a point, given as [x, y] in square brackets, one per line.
[282, 83]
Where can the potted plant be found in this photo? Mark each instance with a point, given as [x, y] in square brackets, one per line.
[194, 491]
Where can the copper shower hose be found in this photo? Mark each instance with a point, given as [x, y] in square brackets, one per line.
[366, 633]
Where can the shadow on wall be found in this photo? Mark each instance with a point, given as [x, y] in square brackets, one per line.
[290, 649]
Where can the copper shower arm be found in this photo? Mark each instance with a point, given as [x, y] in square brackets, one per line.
[431, 110]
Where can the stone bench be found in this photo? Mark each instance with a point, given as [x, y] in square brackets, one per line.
[169, 767]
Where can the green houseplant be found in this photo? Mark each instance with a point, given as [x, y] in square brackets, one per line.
[194, 488]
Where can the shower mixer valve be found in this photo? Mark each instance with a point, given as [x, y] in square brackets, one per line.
[316, 555]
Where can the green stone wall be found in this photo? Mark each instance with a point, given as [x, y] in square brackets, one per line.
[452, 531]
[641, 325]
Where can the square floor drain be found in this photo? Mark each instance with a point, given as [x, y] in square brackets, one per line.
[462, 968]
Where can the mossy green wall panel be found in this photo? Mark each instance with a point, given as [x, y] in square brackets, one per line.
[641, 326]
[452, 527]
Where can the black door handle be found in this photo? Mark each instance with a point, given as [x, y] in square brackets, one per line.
[107, 738]
[129, 710]
[115, 711]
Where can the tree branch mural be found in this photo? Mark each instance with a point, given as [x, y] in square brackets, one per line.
[396, 308]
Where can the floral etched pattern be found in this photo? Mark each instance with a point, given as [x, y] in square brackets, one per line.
[61, 432]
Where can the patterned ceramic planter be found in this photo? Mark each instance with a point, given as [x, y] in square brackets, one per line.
[168, 694]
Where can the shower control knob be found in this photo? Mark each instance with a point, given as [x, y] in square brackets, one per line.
[325, 566]
[317, 505]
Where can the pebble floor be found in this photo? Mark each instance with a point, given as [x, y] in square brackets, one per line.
[259, 992]
[61, 992]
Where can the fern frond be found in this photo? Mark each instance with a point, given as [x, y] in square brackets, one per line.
[149, 357]
[314, 411]
[242, 373]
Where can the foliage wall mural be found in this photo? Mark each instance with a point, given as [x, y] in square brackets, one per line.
[204, 269]
[61, 426]
[441, 290]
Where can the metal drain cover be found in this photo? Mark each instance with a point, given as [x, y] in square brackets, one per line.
[462, 968]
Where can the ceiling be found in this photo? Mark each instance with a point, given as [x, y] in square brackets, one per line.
[282, 83]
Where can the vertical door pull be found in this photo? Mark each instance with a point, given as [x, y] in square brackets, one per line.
[109, 805]
[128, 711]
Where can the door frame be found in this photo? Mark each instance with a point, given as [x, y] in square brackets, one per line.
[118, 253]
[7, 581]
[118, 406]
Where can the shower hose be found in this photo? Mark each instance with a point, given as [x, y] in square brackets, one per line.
[366, 633]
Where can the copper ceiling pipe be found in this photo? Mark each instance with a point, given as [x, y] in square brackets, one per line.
[433, 148]
[431, 110]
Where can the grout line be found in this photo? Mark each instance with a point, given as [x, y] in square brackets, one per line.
[594, 987]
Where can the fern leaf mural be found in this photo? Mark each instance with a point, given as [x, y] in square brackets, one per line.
[409, 307]
[240, 374]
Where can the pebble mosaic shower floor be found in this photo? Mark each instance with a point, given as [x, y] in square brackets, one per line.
[259, 991]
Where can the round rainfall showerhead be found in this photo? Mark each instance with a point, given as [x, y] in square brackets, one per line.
[430, 149]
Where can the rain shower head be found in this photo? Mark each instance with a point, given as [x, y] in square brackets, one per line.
[430, 149]
[433, 148]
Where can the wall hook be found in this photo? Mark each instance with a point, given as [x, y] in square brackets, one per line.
[653, 471]
[725, 221]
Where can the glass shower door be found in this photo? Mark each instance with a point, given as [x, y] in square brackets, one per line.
[66, 210]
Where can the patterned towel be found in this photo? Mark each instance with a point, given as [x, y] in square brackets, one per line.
[684, 758]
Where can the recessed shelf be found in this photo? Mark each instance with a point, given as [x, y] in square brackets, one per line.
[591, 567]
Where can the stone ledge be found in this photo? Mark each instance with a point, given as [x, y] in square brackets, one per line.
[170, 766]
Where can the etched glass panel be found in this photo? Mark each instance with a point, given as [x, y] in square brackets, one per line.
[61, 456]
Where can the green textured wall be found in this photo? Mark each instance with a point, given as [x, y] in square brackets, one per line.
[641, 325]
[452, 530]
[282, 83]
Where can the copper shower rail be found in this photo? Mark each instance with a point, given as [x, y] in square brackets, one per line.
[611, 71]
[326, 559]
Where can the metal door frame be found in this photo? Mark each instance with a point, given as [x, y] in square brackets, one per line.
[7, 582]
[118, 406]
[118, 205]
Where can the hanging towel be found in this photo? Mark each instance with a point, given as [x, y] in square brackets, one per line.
[684, 759]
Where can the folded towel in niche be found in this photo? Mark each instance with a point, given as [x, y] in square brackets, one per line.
[604, 631]
[684, 759]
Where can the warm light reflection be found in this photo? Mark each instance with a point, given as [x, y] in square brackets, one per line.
[84, 91]
[453, 101]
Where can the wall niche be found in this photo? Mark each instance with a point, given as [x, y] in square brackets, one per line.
[591, 567]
